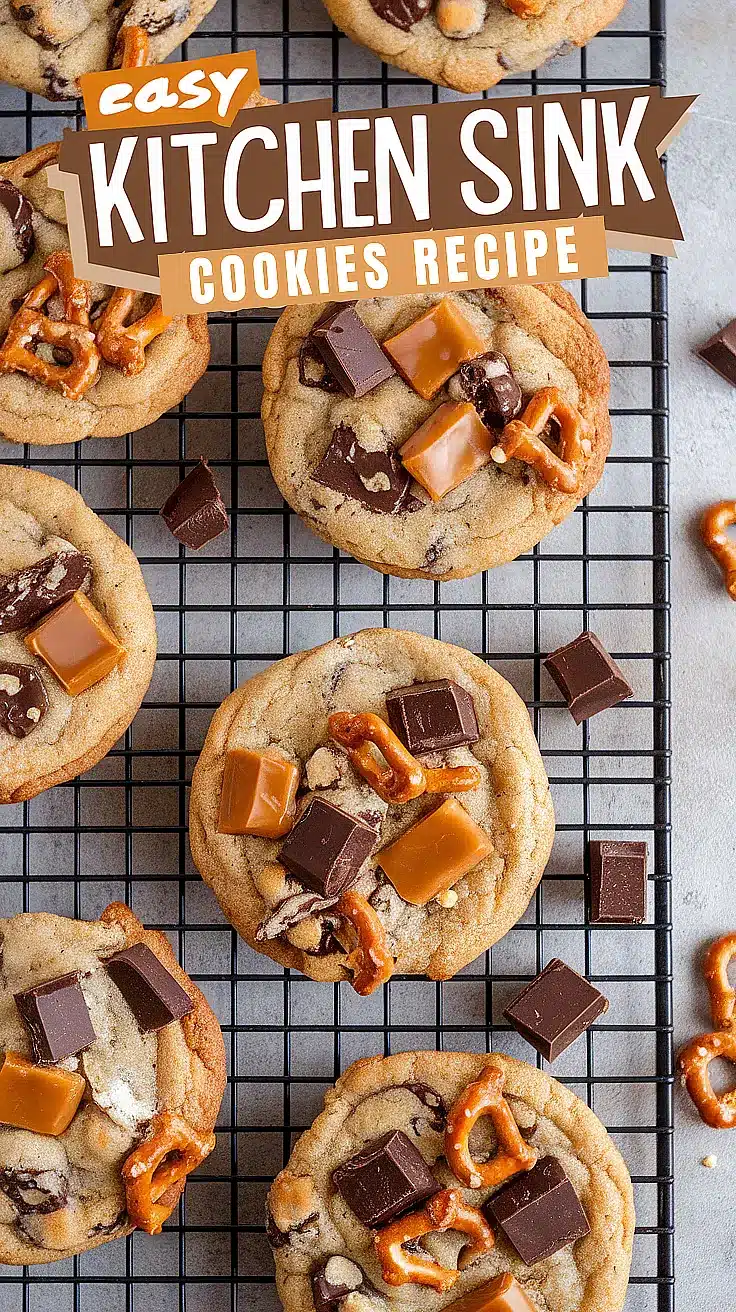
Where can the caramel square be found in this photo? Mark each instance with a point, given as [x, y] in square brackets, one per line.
[258, 794]
[450, 446]
[432, 855]
[504, 1294]
[40, 1098]
[76, 643]
[432, 348]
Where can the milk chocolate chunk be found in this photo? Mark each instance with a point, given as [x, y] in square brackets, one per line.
[350, 351]
[387, 1177]
[488, 383]
[618, 882]
[333, 1280]
[538, 1212]
[401, 13]
[57, 1018]
[430, 717]
[504, 1294]
[555, 1009]
[450, 446]
[588, 678]
[30, 593]
[433, 347]
[326, 848]
[195, 512]
[150, 990]
[40, 1098]
[23, 699]
[720, 352]
[435, 853]
[258, 793]
[377, 479]
[77, 644]
[20, 214]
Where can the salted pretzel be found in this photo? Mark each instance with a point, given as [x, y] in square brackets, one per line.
[371, 962]
[172, 1150]
[403, 777]
[71, 334]
[484, 1097]
[716, 1109]
[521, 440]
[131, 48]
[714, 528]
[715, 972]
[446, 1210]
[125, 346]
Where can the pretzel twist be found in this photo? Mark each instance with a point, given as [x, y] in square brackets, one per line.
[131, 48]
[717, 1110]
[714, 528]
[403, 777]
[371, 962]
[125, 346]
[521, 440]
[30, 327]
[446, 1210]
[715, 972]
[148, 1175]
[485, 1097]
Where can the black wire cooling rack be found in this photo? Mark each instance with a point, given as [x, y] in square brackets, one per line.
[270, 588]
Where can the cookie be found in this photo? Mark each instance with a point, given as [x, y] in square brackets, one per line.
[405, 1110]
[489, 429]
[136, 1072]
[77, 634]
[470, 45]
[310, 861]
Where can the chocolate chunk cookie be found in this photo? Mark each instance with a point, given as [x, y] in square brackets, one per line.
[336, 866]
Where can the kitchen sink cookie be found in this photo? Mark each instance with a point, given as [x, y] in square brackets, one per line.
[375, 805]
[470, 45]
[112, 1074]
[434, 436]
[452, 1180]
[77, 634]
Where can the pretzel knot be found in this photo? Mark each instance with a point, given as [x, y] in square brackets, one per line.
[131, 48]
[715, 971]
[124, 346]
[155, 1166]
[717, 1110]
[446, 1210]
[521, 440]
[69, 336]
[714, 528]
[371, 962]
[402, 777]
[485, 1097]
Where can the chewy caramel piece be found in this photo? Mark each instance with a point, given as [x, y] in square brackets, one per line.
[40, 1098]
[76, 643]
[258, 794]
[450, 446]
[504, 1294]
[432, 348]
[435, 853]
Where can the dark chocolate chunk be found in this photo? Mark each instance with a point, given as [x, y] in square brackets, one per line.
[588, 678]
[150, 990]
[109, 1227]
[29, 593]
[402, 13]
[20, 213]
[333, 1280]
[555, 1009]
[282, 1238]
[31, 1191]
[720, 352]
[430, 717]
[23, 698]
[618, 882]
[313, 370]
[388, 1177]
[432, 1101]
[538, 1212]
[291, 912]
[326, 848]
[350, 351]
[195, 512]
[57, 1018]
[488, 383]
[375, 478]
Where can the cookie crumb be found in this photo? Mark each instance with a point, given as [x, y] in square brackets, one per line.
[710, 1161]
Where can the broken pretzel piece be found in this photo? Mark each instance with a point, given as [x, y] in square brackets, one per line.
[403, 777]
[69, 335]
[164, 1159]
[714, 527]
[131, 48]
[371, 962]
[521, 440]
[446, 1210]
[484, 1097]
[125, 346]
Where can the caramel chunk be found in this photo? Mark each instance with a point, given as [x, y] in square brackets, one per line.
[77, 644]
[450, 446]
[40, 1098]
[504, 1294]
[258, 794]
[435, 853]
[432, 348]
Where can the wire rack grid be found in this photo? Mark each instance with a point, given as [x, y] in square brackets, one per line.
[270, 588]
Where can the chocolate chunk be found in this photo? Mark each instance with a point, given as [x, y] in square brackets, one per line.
[158, 22]
[30, 1191]
[20, 213]
[30, 593]
[58, 87]
[350, 351]
[430, 717]
[291, 912]
[282, 1238]
[618, 882]
[538, 1212]
[555, 1009]
[57, 1018]
[388, 1177]
[195, 512]
[588, 678]
[333, 1280]
[313, 370]
[150, 990]
[720, 352]
[488, 383]
[375, 478]
[432, 1101]
[23, 699]
[326, 848]
[402, 13]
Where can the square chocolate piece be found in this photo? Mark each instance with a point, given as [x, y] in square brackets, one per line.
[385, 1179]
[56, 1017]
[150, 990]
[618, 883]
[430, 717]
[326, 848]
[720, 352]
[555, 1009]
[350, 351]
[589, 679]
[538, 1212]
[195, 512]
